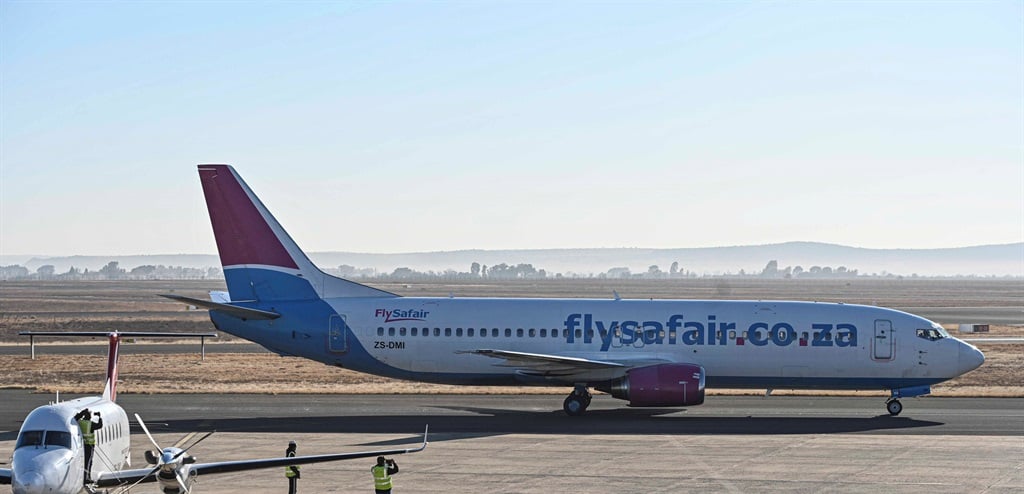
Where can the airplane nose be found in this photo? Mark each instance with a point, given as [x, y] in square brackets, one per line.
[29, 483]
[970, 358]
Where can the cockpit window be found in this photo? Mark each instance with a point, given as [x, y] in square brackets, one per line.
[58, 438]
[30, 438]
[932, 333]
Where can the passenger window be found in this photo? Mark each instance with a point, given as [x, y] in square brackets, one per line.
[391, 331]
[508, 333]
[519, 332]
[447, 331]
[469, 332]
[579, 333]
[732, 335]
[380, 331]
[437, 331]
[413, 332]
[533, 332]
[401, 332]
[458, 332]
[494, 333]
[543, 333]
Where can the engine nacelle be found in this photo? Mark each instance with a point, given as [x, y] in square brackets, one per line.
[662, 385]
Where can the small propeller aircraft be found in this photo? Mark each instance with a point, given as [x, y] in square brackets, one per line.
[50, 452]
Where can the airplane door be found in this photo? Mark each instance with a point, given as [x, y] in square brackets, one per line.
[337, 334]
[883, 340]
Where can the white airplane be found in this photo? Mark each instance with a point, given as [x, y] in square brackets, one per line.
[49, 454]
[649, 352]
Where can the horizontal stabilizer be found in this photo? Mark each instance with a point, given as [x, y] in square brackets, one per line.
[234, 310]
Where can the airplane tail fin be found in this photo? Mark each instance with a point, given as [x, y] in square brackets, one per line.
[261, 262]
[110, 386]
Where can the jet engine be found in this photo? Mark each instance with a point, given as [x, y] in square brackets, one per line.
[660, 385]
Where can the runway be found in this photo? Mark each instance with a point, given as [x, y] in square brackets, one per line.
[525, 444]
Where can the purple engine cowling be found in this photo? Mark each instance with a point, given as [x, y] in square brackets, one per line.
[660, 385]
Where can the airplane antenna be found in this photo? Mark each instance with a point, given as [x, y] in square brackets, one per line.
[615, 294]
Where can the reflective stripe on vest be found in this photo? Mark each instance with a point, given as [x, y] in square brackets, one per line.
[381, 479]
[87, 436]
[288, 469]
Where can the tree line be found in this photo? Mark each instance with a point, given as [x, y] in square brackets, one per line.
[477, 271]
[111, 271]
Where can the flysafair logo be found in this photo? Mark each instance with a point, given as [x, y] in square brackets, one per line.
[678, 331]
[394, 315]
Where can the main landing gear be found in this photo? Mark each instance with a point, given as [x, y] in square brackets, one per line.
[894, 406]
[577, 401]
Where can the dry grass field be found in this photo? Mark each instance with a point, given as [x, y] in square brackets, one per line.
[136, 306]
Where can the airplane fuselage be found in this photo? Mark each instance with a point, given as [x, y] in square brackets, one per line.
[741, 344]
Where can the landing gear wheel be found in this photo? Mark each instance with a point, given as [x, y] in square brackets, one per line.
[894, 407]
[574, 406]
[577, 401]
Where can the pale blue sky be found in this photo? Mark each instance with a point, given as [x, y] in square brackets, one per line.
[420, 126]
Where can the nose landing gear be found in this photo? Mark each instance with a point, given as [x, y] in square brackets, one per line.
[577, 401]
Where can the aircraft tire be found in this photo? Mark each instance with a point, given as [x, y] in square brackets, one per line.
[894, 407]
[574, 406]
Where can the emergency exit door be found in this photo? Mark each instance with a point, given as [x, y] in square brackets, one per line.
[882, 343]
[337, 334]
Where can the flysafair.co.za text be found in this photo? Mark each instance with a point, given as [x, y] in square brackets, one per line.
[678, 331]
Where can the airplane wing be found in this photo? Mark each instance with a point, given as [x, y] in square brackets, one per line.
[234, 310]
[145, 475]
[5, 475]
[537, 364]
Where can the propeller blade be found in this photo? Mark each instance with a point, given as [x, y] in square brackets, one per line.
[184, 439]
[144, 477]
[184, 487]
[208, 434]
[150, 436]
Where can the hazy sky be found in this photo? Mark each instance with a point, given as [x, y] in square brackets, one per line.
[420, 126]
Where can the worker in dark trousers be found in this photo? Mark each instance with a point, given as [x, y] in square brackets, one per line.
[382, 473]
[291, 471]
[88, 428]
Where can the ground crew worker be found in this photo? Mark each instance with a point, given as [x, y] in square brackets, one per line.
[382, 473]
[291, 471]
[88, 428]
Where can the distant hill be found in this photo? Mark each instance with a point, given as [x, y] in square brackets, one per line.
[983, 260]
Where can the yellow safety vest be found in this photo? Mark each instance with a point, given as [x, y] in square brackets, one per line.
[381, 479]
[288, 469]
[87, 436]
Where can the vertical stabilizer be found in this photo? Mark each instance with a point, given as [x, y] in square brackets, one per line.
[261, 262]
[110, 387]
